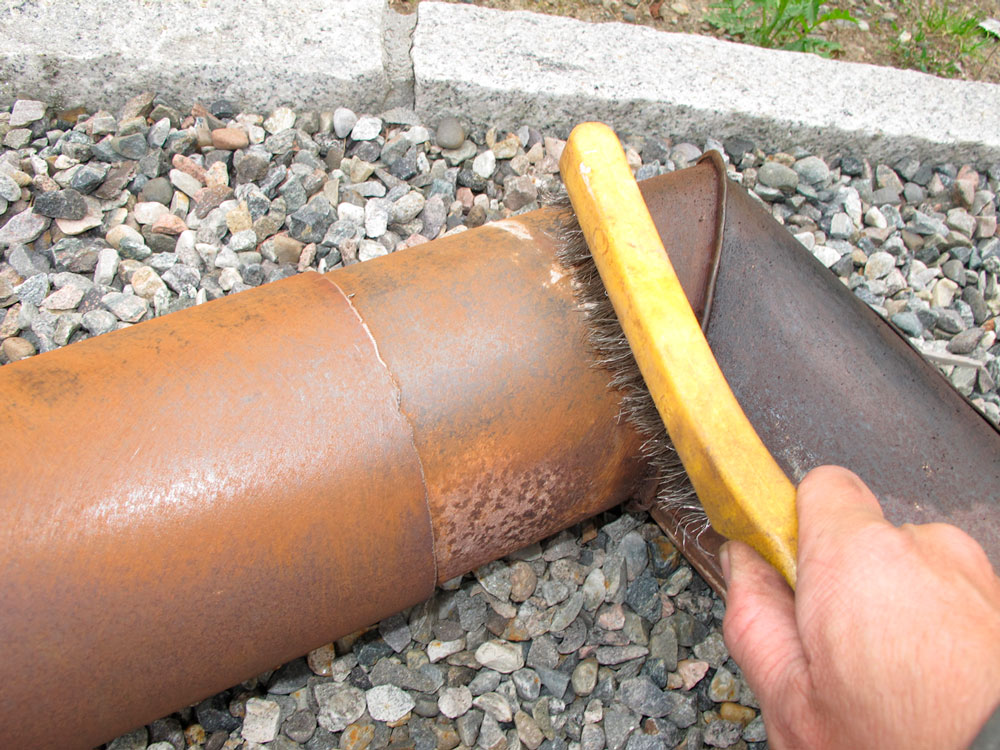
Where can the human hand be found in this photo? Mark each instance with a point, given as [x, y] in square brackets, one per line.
[891, 639]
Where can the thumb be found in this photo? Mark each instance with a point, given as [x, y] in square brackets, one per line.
[760, 627]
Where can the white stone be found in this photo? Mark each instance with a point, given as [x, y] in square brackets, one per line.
[499, 655]
[107, 266]
[408, 207]
[369, 249]
[895, 282]
[376, 218]
[185, 182]
[438, 650]
[826, 255]
[339, 706]
[228, 278]
[495, 705]
[943, 292]
[485, 164]
[806, 239]
[841, 226]
[26, 111]
[417, 134]
[366, 128]
[879, 264]
[226, 258]
[594, 590]
[146, 283]
[388, 703]
[852, 205]
[281, 118]
[343, 121]
[262, 720]
[875, 218]
[350, 212]
[455, 701]
[149, 211]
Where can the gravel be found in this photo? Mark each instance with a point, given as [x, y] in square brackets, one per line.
[115, 218]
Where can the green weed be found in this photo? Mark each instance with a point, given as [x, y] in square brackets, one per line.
[940, 39]
[778, 24]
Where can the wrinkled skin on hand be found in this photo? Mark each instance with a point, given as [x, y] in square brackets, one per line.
[891, 639]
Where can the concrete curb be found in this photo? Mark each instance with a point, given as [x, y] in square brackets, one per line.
[510, 68]
[501, 68]
[254, 52]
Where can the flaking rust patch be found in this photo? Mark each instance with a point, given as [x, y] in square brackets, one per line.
[556, 274]
[515, 227]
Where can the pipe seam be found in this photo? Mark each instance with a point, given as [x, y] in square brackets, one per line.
[399, 408]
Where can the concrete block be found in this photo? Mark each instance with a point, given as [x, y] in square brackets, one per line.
[259, 54]
[513, 68]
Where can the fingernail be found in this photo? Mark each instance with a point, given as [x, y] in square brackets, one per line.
[724, 562]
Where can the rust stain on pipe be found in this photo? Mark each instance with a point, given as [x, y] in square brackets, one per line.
[516, 432]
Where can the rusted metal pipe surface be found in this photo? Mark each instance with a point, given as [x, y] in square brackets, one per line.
[271, 471]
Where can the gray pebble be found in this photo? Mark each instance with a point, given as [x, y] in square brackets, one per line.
[343, 122]
[778, 176]
[395, 631]
[23, 228]
[965, 341]
[908, 323]
[33, 290]
[619, 723]
[567, 612]
[300, 726]
[812, 170]
[99, 321]
[339, 705]
[755, 731]
[449, 134]
[61, 204]
[10, 191]
[713, 650]
[950, 321]
[633, 549]
[554, 681]
[722, 733]
[134, 740]
[527, 683]
[592, 737]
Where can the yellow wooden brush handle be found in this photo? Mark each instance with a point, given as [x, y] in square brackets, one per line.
[743, 490]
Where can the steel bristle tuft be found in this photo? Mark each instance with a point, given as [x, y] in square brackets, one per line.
[612, 353]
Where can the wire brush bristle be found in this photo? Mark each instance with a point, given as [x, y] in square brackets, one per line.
[612, 353]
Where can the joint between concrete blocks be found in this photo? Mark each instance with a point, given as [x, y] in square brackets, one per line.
[397, 57]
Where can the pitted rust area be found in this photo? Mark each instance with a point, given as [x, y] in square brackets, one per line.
[249, 491]
[516, 430]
